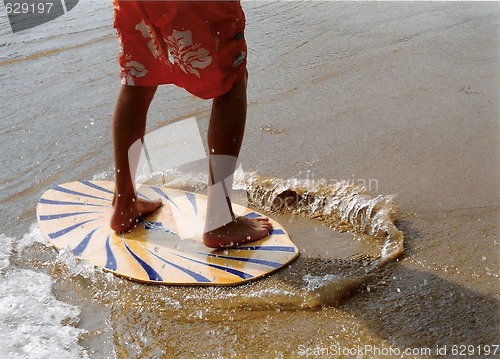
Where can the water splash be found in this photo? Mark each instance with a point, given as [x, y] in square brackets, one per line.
[33, 322]
[341, 205]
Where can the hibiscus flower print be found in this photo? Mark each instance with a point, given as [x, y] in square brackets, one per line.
[147, 32]
[136, 69]
[188, 56]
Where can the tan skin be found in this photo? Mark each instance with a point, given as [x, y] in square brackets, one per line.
[225, 135]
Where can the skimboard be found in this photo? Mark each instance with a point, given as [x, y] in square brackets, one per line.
[165, 247]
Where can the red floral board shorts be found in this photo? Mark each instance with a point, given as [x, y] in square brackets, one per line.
[197, 45]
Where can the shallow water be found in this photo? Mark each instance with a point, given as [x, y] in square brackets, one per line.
[336, 99]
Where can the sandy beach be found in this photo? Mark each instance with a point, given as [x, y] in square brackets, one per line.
[401, 97]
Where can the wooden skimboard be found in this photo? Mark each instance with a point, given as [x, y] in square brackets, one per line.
[165, 247]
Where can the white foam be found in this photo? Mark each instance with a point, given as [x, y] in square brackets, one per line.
[33, 323]
[103, 176]
[34, 235]
[340, 204]
[5, 249]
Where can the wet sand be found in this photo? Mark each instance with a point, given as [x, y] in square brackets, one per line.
[401, 97]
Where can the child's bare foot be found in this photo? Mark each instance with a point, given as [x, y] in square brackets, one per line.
[127, 212]
[241, 230]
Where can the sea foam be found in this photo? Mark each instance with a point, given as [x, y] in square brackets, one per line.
[33, 323]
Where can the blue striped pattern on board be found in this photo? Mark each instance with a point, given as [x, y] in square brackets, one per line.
[84, 243]
[110, 257]
[248, 260]
[156, 226]
[192, 199]
[152, 274]
[97, 187]
[236, 272]
[68, 203]
[65, 230]
[86, 232]
[77, 193]
[196, 276]
[50, 217]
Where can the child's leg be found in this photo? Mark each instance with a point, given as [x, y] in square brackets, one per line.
[129, 124]
[225, 135]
